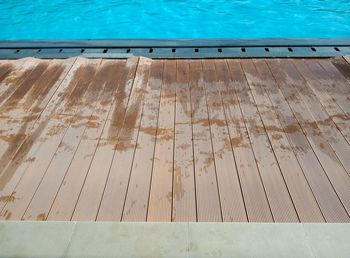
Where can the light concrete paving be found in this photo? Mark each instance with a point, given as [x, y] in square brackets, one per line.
[114, 239]
[35, 239]
[129, 240]
[248, 240]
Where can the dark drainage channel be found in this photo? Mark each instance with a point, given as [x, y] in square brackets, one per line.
[176, 48]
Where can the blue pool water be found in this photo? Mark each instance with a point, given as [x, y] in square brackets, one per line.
[113, 19]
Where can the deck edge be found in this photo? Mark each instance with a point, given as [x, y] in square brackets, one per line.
[114, 239]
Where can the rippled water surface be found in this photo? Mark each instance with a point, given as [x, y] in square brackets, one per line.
[97, 19]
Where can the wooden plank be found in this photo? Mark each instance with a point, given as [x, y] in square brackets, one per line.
[342, 66]
[277, 193]
[339, 69]
[123, 131]
[101, 93]
[256, 203]
[338, 85]
[68, 194]
[322, 189]
[15, 79]
[302, 196]
[19, 94]
[48, 136]
[136, 201]
[347, 58]
[207, 192]
[183, 185]
[9, 120]
[26, 109]
[231, 198]
[326, 124]
[160, 201]
[6, 68]
[9, 71]
[26, 151]
[334, 147]
[100, 171]
[326, 93]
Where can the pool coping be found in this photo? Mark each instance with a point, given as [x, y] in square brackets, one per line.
[177, 48]
[157, 239]
[224, 42]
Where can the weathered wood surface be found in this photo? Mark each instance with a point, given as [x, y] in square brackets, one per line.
[175, 140]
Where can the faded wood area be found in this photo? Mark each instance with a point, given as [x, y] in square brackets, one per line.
[175, 140]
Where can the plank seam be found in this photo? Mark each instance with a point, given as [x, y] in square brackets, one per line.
[302, 130]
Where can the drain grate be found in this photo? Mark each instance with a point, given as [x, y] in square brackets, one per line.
[172, 49]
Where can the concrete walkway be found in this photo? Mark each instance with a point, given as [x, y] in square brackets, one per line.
[108, 239]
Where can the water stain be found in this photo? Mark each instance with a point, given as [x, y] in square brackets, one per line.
[125, 120]
[163, 134]
[5, 70]
[169, 197]
[184, 146]
[183, 91]
[179, 190]
[14, 79]
[81, 81]
[7, 215]
[41, 217]
[17, 151]
[343, 67]
[123, 138]
[8, 198]
[208, 161]
[92, 124]
[32, 159]
[277, 136]
[236, 141]
[22, 90]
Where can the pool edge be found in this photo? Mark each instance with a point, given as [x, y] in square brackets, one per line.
[177, 48]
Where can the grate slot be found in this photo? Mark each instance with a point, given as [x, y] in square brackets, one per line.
[178, 52]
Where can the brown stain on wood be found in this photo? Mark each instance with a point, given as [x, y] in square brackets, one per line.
[277, 136]
[163, 134]
[8, 198]
[27, 84]
[81, 81]
[7, 215]
[18, 149]
[5, 70]
[41, 217]
[123, 122]
[16, 77]
[118, 113]
[343, 67]
[179, 190]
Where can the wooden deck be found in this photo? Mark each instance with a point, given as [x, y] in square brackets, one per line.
[175, 140]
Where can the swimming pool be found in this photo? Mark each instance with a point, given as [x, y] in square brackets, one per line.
[97, 19]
